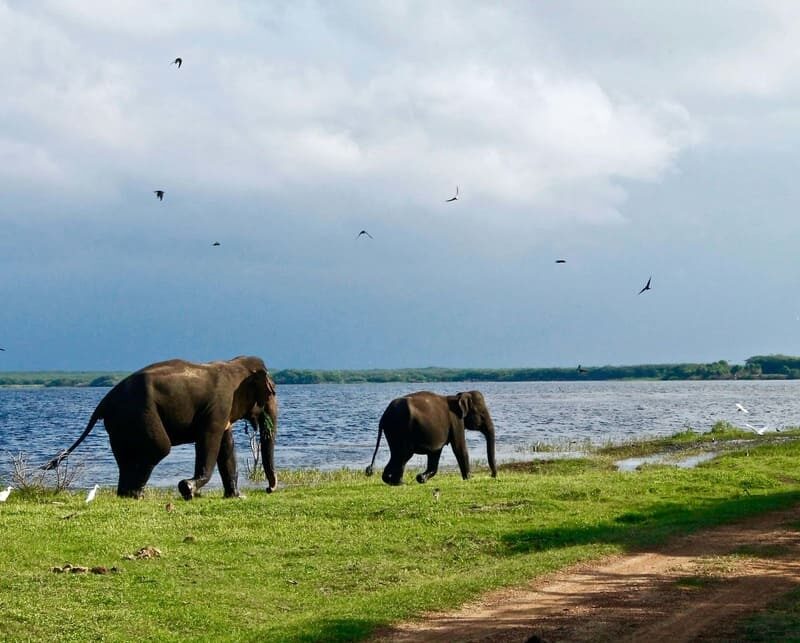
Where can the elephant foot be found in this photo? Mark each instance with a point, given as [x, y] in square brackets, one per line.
[187, 489]
[234, 493]
[422, 478]
[137, 494]
[272, 481]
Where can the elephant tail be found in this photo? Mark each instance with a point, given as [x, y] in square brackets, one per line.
[52, 464]
[371, 467]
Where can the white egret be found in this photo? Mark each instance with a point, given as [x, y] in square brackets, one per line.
[4, 494]
[741, 409]
[92, 493]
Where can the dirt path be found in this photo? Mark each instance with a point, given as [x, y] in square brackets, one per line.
[695, 588]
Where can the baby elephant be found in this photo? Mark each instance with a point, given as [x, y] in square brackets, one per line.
[424, 422]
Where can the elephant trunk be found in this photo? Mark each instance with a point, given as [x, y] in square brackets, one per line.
[267, 430]
[489, 433]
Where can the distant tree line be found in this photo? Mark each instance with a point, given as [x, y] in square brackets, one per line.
[61, 378]
[721, 370]
[757, 367]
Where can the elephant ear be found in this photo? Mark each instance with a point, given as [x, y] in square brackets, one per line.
[459, 404]
[464, 401]
[263, 385]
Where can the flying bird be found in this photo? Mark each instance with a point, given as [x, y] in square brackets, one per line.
[177, 61]
[159, 194]
[453, 198]
[3, 349]
[561, 261]
[216, 243]
[741, 409]
[647, 285]
[364, 232]
[757, 429]
[4, 494]
[92, 493]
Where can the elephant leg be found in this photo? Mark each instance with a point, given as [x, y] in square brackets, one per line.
[226, 463]
[433, 467]
[206, 450]
[132, 479]
[459, 443]
[136, 456]
[394, 469]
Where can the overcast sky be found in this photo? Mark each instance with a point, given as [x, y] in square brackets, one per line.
[629, 138]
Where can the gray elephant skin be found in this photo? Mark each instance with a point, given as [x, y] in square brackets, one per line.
[423, 423]
[180, 402]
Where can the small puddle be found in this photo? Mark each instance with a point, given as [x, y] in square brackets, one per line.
[631, 464]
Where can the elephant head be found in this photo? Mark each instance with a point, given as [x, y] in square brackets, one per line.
[471, 407]
[255, 401]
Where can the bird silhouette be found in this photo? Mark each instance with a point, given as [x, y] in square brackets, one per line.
[92, 493]
[453, 198]
[581, 370]
[3, 349]
[646, 286]
[4, 494]
[159, 194]
[177, 61]
[364, 232]
[216, 243]
[741, 409]
[561, 261]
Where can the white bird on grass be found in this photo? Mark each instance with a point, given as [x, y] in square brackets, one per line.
[92, 493]
[741, 409]
[757, 429]
[4, 494]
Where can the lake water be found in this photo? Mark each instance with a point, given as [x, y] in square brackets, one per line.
[328, 426]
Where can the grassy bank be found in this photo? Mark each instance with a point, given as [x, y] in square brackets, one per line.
[333, 556]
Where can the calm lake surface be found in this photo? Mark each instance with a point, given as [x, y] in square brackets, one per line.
[327, 426]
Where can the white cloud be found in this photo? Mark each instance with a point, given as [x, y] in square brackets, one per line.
[516, 130]
[26, 166]
[762, 62]
[132, 18]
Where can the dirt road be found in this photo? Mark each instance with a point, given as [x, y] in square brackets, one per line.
[695, 588]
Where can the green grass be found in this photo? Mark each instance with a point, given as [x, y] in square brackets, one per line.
[779, 622]
[333, 556]
[721, 436]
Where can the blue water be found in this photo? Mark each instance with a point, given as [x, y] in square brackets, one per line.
[329, 426]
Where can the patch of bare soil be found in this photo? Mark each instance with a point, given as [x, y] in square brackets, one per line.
[694, 588]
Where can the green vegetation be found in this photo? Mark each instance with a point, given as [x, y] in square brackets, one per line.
[779, 622]
[690, 440]
[758, 367]
[61, 378]
[333, 556]
[716, 370]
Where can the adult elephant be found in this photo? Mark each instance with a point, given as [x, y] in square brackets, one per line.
[178, 402]
[424, 422]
